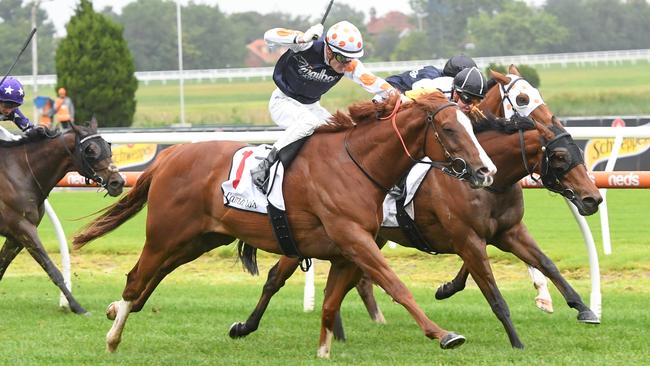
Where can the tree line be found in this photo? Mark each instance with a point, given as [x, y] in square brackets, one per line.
[213, 39]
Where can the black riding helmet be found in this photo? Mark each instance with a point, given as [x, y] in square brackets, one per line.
[471, 81]
[457, 63]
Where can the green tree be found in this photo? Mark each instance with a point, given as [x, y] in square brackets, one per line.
[15, 25]
[94, 64]
[517, 29]
[410, 48]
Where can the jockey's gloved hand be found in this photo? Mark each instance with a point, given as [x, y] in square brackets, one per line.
[315, 31]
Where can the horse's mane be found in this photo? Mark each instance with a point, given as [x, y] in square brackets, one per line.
[507, 126]
[39, 133]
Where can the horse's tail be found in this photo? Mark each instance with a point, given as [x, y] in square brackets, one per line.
[118, 213]
[248, 257]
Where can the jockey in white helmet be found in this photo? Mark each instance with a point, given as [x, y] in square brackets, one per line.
[305, 72]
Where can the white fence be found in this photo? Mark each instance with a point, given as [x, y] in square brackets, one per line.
[545, 60]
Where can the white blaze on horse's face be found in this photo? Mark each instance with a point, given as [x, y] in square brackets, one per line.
[485, 159]
[517, 86]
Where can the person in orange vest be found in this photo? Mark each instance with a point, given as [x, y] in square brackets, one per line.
[64, 109]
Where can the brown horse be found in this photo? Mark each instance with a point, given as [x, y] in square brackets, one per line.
[335, 188]
[29, 169]
[494, 215]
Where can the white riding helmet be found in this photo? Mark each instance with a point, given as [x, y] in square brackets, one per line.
[344, 38]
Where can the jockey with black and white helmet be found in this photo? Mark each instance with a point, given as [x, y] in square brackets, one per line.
[303, 74]
[469, 88]
[11, 97]
[430, 77]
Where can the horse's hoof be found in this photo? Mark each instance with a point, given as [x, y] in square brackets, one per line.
[445, 291]
[544, 305]
[111, 311]
[237, 330]
[451, 340]
[588, 317]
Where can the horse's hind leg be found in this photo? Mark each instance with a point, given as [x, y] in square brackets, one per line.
[543, 300]
[276, 279]
[519, 241]
[365, 290]
[9, 251]
[449, 289]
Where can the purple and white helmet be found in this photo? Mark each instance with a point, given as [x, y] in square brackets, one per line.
[11, 90]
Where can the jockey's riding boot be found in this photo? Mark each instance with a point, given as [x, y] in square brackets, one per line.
[260, 173]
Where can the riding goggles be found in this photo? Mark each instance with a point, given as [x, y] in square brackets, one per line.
[342, 59]
[468, 98]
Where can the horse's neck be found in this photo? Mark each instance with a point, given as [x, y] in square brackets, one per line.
[505, 152]
[48, 161]
[378, 149]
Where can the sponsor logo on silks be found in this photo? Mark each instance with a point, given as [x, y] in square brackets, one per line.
[128, 155]
[236, 200]
[599, 150]
[305, 70]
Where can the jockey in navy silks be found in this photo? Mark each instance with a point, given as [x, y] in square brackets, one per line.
[304, 73]
[11, 97]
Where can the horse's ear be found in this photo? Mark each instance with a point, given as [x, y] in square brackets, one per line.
[499, 77]
[514, 70]
[93, 123]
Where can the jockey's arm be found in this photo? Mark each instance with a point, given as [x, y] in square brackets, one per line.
[356, 71]
[21, 121]
[287, 38]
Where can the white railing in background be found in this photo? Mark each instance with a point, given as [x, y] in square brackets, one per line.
[543, 60]
[579, 133]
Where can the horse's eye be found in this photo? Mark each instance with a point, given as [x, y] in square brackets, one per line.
[91, 151]
[522, 100]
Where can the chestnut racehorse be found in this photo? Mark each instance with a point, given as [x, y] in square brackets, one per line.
[29, 169]
[456, 219]
[334, 191]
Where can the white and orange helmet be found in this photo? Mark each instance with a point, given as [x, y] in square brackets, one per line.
[344, 38]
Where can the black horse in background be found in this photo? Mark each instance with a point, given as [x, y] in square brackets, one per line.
[29, 169]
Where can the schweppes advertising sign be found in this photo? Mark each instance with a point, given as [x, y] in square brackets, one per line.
[599, 150]
[128, 155]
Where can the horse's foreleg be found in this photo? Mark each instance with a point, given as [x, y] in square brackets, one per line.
[276, 278]
[519, 241]
[543, 300]
[341, 279]
[448, 289]
[475, 257]
[35, 248]
[9, 251]
[358, 245]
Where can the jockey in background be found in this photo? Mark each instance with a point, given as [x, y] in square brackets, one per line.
[310, 67]
[431, 77]
[11, 97]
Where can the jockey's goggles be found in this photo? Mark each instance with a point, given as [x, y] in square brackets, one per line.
[9, 105]
[468, 98]
[342, 59]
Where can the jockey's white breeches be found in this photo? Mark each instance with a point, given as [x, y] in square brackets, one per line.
[299, 120]
[7, 136]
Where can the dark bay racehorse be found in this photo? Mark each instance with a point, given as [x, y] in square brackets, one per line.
[456, 219]
[334, 192]
[29, 170]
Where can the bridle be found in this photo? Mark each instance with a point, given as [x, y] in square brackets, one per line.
[454, 166]
[551, 177]
[84, 163]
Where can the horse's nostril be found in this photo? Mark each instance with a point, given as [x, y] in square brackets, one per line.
[483, 172]
[591, 202]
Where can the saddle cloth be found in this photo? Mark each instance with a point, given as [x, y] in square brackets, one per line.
[239, 191]
[413, 181]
